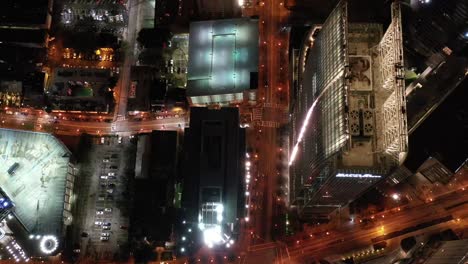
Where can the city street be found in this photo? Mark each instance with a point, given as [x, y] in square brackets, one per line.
[352, 236]
[47, 123]
[272, 85]
[130, 35]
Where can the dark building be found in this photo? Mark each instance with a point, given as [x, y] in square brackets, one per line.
[155, 175]
[443, 135]
[214, 164]
[25, 23]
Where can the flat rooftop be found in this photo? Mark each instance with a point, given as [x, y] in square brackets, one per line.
[23, 12]
[222, 56]
[37, 187]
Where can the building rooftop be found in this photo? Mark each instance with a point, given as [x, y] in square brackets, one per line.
[24, 12]
[24, 37]
[223, 56]
[37, 184]
[451, 252]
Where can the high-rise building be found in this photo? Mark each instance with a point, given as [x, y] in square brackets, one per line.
[223, 61]
[348, 112]
[213, 193]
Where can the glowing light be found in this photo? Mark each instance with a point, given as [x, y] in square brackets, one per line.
[182, 249]
[212, 236]
[356, 175]
[48, 244]
[306, 123]
[395, 196]
[183, 238]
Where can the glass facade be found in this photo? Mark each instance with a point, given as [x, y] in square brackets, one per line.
[344, 79]
[322, 93]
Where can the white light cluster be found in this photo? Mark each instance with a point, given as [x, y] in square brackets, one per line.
[48, 244]
[357, 175]
[17, 252]
[303, 129]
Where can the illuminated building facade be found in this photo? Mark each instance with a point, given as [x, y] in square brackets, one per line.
[213, 194]
[223, 61]
[38, 179]
[348, 113]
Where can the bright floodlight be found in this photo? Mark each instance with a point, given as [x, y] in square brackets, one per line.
[182, 250]
[219, 208]
[212, 236]
[395, 196]
[48, 244]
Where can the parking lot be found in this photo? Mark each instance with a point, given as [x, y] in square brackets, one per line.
[104, 225]
[110, 16]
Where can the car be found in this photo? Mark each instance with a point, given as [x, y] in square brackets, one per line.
[101, 198]
[105, 234]
[103, 140]
[106, 227]
[105, 160]
[99, 212]
[98, 223]
[115, 156]
[111, 173]
[113, 167]
[120, 140]
[110, 190]
[110, 198]
[111, 177]
[84, 234]
[108, 210]
[107, 223]
[104, 177]
[104, 238]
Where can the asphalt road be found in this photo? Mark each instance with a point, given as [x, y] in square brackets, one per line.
[130, 58]
[352, 236]
[272, 83]
[47, 123]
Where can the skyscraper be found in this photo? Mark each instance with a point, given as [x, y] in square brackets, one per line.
[348, 113]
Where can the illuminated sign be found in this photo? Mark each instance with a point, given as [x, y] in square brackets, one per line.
[132, 92]
[357, 175]
[48, 244]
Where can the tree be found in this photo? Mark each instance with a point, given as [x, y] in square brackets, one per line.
[154, 38]
[150, 56]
